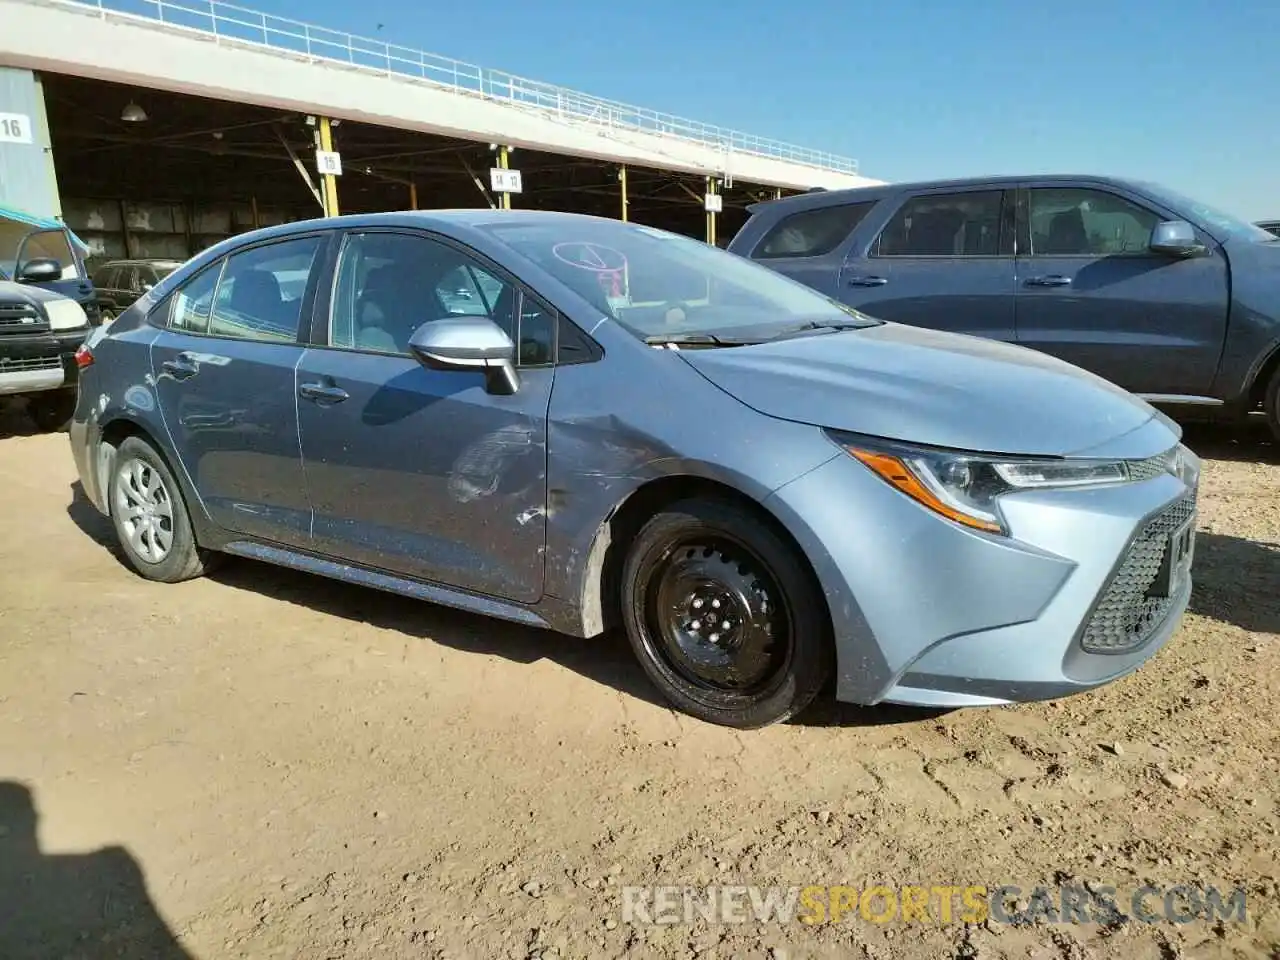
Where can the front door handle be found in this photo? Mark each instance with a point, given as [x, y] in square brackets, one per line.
[1053, 280]
[181, 367]
[867, 281]
[322, 393]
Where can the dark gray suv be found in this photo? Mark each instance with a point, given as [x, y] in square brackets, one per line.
[1158, 293]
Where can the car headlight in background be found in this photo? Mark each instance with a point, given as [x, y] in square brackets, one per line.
[966, 487]
[65, 315]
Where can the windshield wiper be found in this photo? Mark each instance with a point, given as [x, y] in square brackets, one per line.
[833, 325]
[695, 340]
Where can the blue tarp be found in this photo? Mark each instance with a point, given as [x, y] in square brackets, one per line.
[43, 223]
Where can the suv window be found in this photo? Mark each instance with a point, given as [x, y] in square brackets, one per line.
[811, 233]
[944, 225]
[190, 312]
[389, 284]
[260, 294]
[1088, 223]
[105, 278]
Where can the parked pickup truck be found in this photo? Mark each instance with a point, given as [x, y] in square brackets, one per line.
[40, 332]
[1161, 294]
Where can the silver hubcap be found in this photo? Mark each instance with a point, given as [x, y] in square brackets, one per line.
[145, 510]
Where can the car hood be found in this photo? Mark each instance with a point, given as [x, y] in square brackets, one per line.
[928, 387]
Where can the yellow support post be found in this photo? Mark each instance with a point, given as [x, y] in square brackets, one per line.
[503, 163]
[711, 214]
[413, 195]
[622, 178]
[329, 189]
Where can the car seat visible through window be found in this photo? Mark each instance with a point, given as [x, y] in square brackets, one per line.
[1067, 234]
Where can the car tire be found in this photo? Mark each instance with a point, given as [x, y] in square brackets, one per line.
[150, 516]
[760, 663]
[1272, 404]
[52, 411]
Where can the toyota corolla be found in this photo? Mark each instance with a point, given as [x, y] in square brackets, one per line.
[581, 424]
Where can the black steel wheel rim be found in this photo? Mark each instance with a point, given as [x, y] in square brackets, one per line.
[718, 617]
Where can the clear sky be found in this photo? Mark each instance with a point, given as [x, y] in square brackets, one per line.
[1186, 92]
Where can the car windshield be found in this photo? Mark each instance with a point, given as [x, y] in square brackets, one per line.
[658, 284]
[1213, 217]
[164, 269]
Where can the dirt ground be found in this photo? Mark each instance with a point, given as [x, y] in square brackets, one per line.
[266, 764]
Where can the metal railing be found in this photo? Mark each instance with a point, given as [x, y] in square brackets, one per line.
[226, 21]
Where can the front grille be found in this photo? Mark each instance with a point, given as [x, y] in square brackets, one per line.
[21, 318]
[10, 365]
[1150, 467]
[1125, 616]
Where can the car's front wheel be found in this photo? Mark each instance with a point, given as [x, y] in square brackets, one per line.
[724, 615]
[150, 516]
[1272, 404]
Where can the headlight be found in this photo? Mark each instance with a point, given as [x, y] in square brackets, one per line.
[966, 487]
[65, 315]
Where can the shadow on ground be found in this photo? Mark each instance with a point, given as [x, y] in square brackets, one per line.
[14, 421]
[1249, 442]
[607, 660]
[90, 905]
[1236, 582]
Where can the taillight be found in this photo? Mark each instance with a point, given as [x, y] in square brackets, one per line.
[84, 356]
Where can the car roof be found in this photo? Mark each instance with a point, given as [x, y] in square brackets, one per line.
[855, 194]
[429, 219]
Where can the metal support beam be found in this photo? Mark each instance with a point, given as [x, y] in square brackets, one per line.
[330, 182]
[413, 195]
[622, 179]
[711, 214]
[300, 167]
[477, 181]
[504, 163]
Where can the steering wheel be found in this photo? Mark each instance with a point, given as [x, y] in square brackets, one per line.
[675, 312]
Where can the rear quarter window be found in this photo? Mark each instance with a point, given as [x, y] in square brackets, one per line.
[811, 233]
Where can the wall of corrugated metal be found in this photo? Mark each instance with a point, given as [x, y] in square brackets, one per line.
[27, 180]
[131, 229]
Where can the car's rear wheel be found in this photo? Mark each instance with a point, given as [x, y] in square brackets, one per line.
[150, 516]
[724, 615]
[52, 411]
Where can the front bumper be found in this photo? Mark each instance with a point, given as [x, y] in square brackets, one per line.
[45, 361]
[929, 613]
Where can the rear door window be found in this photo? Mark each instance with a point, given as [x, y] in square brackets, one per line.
[964, 224]
[104, 279]
[261, 291]
[811, 233]
[193, 302]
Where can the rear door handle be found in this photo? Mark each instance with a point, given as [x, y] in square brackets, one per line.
[181, 367]
[1053, 280]
[867, 281]
[322, 393]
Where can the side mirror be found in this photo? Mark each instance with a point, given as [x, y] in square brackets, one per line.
[41, 270]
[1176, 238]
[468, 343]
